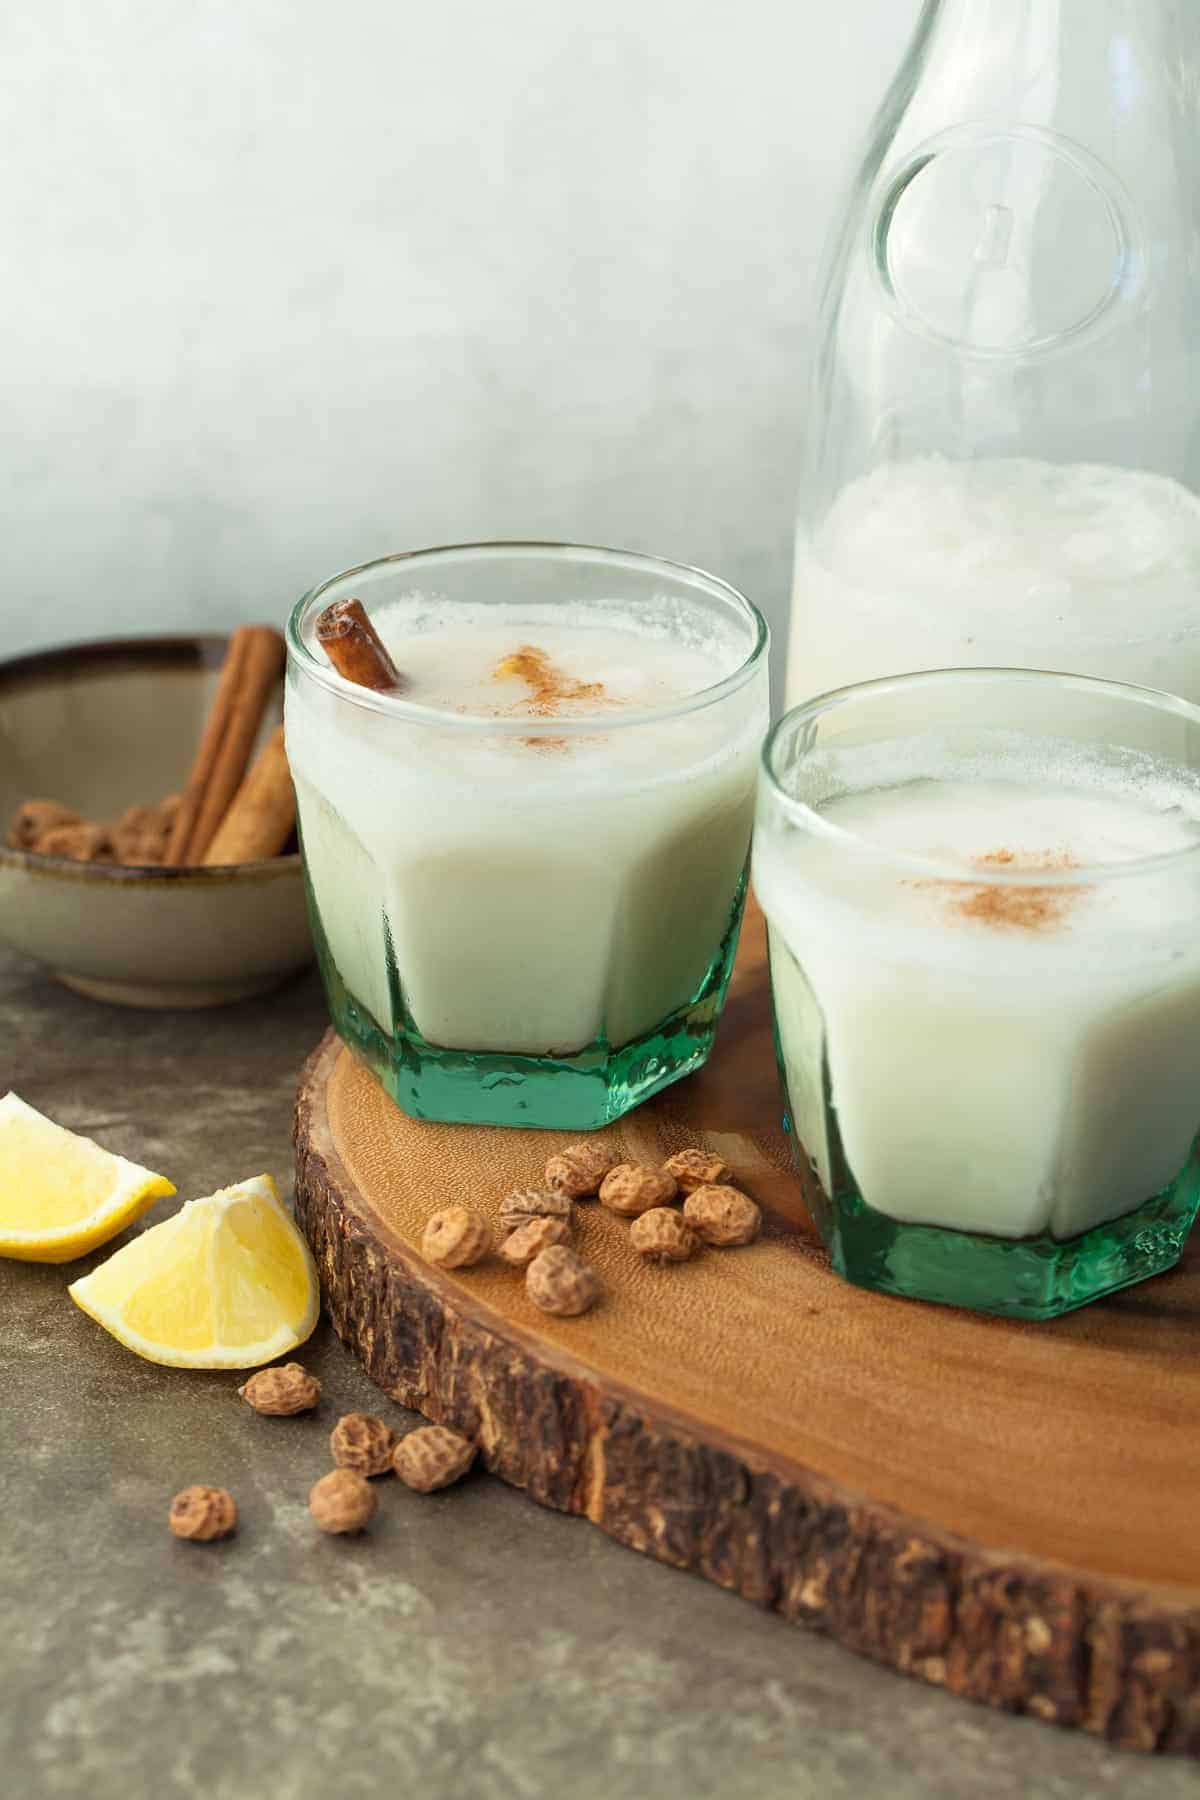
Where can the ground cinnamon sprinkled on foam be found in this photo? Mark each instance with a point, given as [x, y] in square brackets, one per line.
[549, 686]
[1033, 908]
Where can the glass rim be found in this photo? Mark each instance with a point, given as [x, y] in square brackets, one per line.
[1080, 875]
[578, 725]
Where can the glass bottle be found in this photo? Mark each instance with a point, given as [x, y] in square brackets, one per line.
[1003, 452]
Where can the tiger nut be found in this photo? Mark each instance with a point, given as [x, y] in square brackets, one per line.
[361, 1442]
[632, 1188]
[281, 1392]
[696, 1168]
[342, 1501]
[140, 835]
[35, 818]
[524, 1204]
[454, 1238]
[722, 1216]
[578, 1170]
[663, 1233]
[432, 1458]
[202, 1514]
[530, 1239]
[82, 843]
[560, 1282]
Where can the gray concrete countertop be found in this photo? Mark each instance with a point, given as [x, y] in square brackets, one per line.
[472, 1645]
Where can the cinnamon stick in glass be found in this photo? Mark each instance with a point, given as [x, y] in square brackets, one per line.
[250, 676]
[355, 648]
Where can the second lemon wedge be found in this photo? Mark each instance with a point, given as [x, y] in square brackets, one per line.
[62, 1195]
[227, 1283]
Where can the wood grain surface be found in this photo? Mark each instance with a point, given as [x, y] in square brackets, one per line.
[1005, 1508]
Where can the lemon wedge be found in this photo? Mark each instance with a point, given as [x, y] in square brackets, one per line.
[61, 1195]
[227, 1283]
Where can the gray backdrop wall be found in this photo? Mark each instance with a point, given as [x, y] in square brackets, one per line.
[293, 283]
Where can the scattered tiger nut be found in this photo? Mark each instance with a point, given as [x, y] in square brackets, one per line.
[432, 1458]
[454, 1238]
[361, 1442]
[664, 1234]
[578, 1170]
[560, 1282]
[202, 1514]
[696, 1168]
[632, 1188]
[342, 1501]
[722, 1216]
[524, 1204]
[282, 1392]
[530, 1239]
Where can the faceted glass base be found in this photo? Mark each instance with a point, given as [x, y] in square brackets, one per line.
[582, 1092]
[1037, 1277]
[1020, 1278]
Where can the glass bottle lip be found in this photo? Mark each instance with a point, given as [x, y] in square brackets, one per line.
[397, 707]
[1079, 875]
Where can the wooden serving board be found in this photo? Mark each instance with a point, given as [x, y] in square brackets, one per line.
[1009, 1510]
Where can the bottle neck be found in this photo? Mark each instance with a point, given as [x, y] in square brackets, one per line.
[1030, 43]
[1119, 78]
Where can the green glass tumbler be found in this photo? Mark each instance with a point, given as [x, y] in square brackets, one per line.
[529, 917]
[982, 890]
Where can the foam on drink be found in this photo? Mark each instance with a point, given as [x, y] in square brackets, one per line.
[932, 563]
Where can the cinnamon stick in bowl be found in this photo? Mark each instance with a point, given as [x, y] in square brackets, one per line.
[250, 675]
[263, 813]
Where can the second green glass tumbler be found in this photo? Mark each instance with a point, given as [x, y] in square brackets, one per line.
[982, 890]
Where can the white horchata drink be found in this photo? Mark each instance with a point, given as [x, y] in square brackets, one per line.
[986, 973]
[508, 854]
[1003, 563]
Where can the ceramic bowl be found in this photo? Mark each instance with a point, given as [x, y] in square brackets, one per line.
[101, 727]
